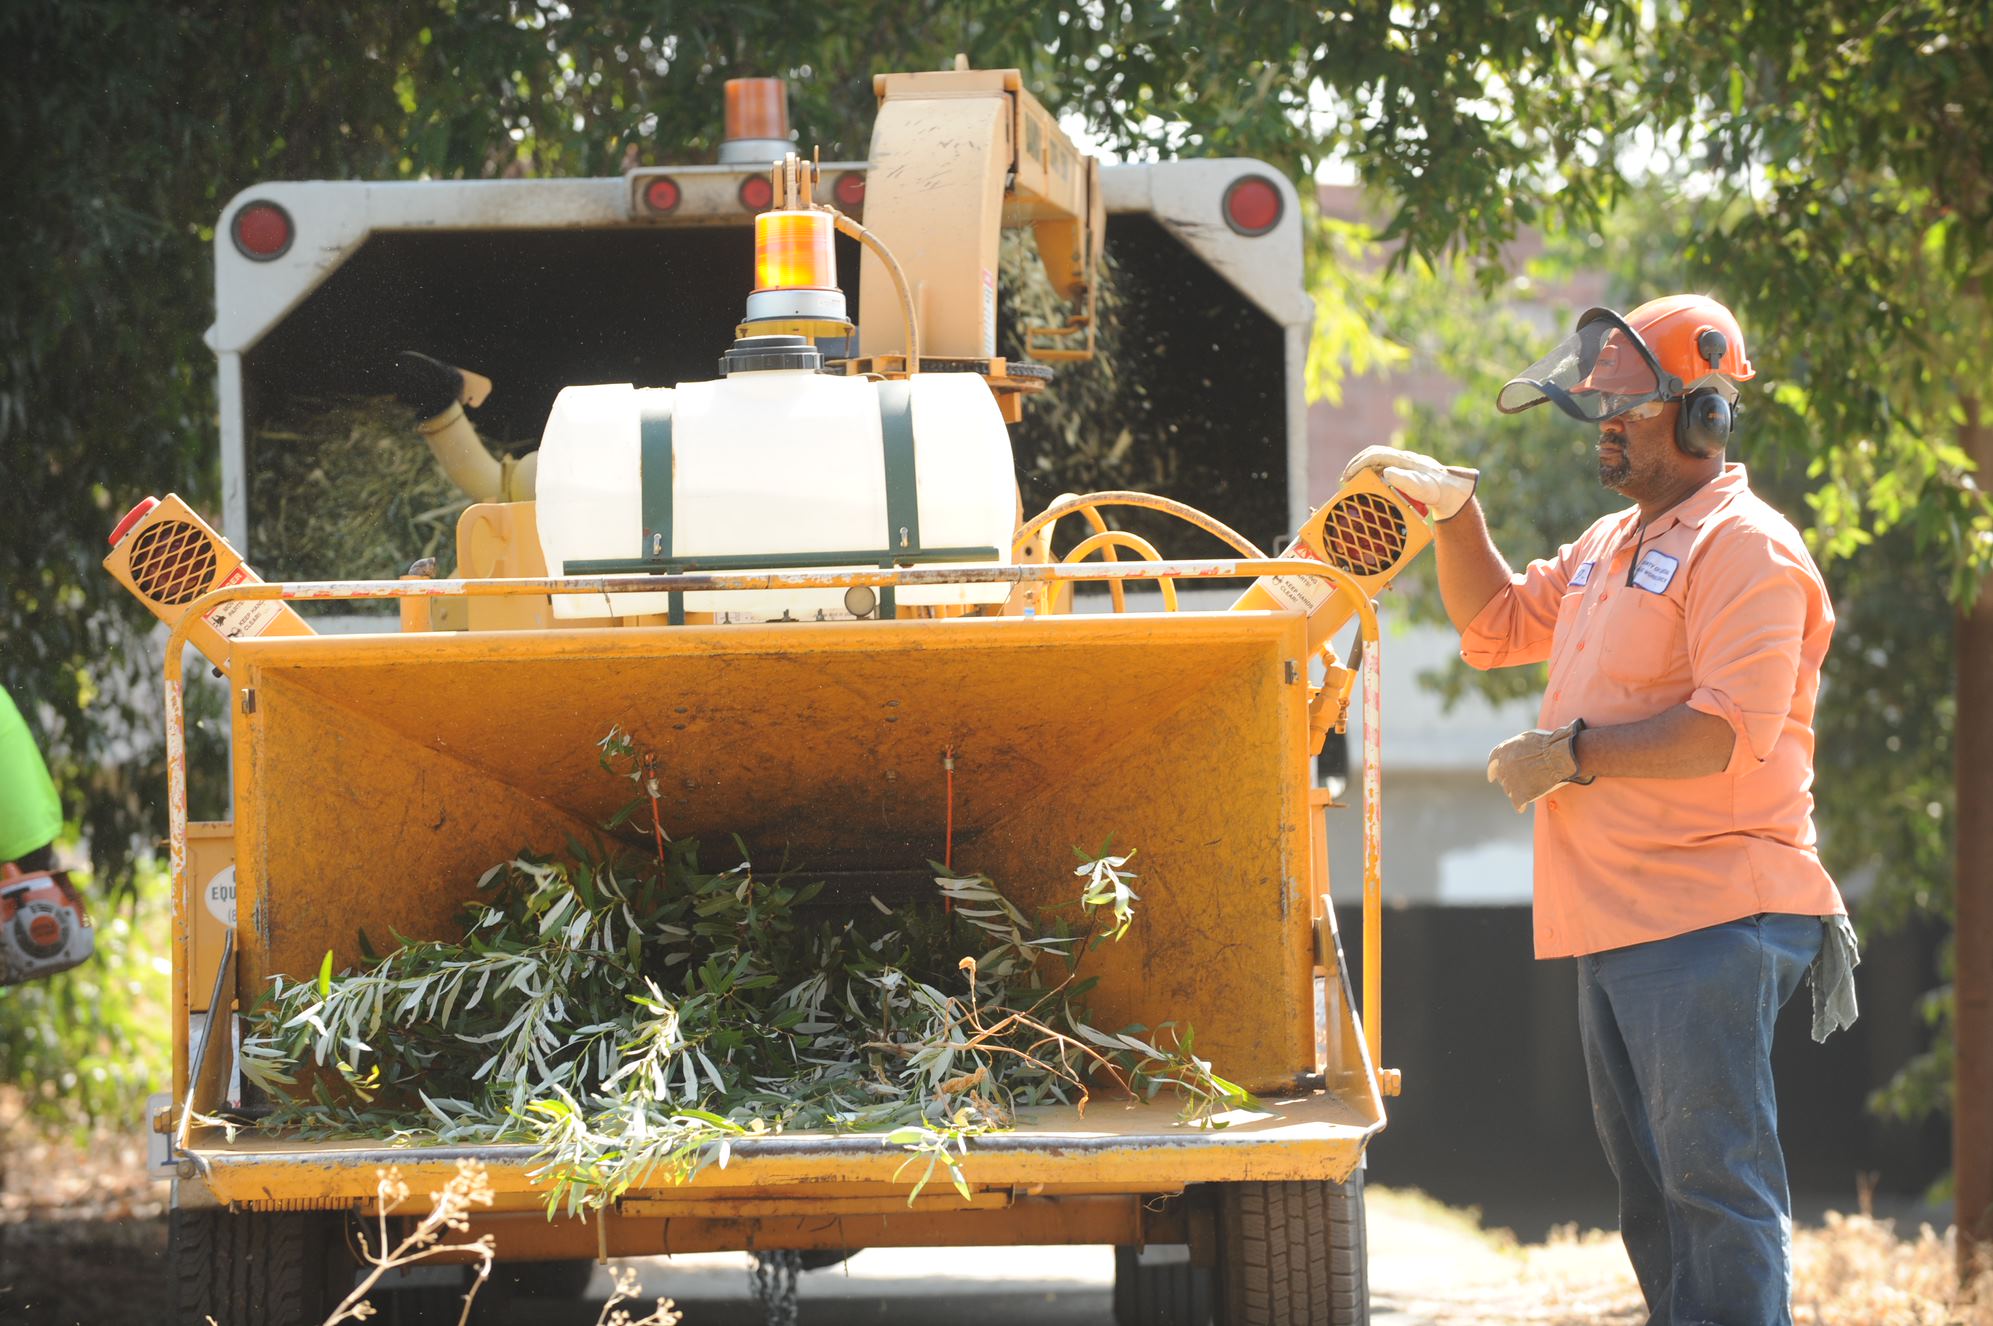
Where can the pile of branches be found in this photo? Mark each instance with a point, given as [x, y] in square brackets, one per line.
[633, 1015]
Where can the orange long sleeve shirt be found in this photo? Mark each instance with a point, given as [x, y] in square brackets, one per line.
[1718, 605]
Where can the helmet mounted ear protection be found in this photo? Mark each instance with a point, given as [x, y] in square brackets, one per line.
[1707, 418]
[1706, 421]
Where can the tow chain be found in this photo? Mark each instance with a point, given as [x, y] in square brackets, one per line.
[774, 1280]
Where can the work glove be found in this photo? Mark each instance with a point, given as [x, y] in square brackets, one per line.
[1536, 763]
[1429, 485]
[428, 386]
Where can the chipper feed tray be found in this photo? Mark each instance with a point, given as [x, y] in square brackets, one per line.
[377, 776]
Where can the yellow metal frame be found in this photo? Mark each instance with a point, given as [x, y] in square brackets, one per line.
[1305, 1135]
[1115, 1149]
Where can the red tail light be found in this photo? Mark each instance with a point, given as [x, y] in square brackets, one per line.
[757, 193]
[132, 517]
[850, 189]
[262, 231]
[661, 194]
[1253, 205]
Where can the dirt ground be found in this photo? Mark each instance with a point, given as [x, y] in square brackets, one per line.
[83, 1240]
[82, 1232]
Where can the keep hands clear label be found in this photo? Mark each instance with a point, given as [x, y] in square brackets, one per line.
[219, 896]
[236, 621]
[1304, 594]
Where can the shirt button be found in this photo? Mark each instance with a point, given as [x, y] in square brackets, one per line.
[1604, 597]
[1556, 695]
[1581, 646]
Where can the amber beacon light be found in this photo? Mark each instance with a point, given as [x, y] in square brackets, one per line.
[794, 251]
[757, 131]
[795, 262]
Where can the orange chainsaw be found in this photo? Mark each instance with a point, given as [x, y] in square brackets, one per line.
[44, 928]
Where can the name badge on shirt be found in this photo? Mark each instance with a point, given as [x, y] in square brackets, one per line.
[1656, 571]
[1582, 576]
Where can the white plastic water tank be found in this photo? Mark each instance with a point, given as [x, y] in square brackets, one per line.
[767, 464]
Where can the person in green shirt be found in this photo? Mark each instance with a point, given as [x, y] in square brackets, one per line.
[30, 812]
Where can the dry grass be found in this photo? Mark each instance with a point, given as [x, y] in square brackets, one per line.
[1853, 1270]
[1858, 1271]
[449, 1213]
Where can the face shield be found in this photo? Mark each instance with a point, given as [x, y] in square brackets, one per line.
[1598, 372]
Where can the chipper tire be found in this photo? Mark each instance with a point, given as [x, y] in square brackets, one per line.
[1292, 1254]
[257, 1269]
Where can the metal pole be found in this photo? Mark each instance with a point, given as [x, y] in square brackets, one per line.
[1972, 820]
[1373, 860]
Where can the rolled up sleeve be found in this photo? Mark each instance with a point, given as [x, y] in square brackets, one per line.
[1516, 625]
[1746, 617]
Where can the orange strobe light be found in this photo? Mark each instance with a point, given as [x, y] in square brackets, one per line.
[795, 263]
[794, 251]
[757, 109]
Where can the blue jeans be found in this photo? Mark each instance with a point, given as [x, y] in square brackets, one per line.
[1678, 1041]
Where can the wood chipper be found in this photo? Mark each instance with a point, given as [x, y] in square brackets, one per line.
[807, 582]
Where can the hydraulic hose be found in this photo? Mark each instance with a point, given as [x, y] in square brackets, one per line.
[1106, 541]
[1067, 506]
[851, 228]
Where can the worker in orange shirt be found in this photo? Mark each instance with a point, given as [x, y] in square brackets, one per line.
[1671, 774]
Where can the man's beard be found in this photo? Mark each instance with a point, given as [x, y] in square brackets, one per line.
[1613, 473]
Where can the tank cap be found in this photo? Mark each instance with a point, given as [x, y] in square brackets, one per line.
[761, 354]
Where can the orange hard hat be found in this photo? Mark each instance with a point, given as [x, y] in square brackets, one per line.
[1692, 338]
[1662, 351]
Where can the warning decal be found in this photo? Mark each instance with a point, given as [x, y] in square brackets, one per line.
[1304, 594]
[237, 621]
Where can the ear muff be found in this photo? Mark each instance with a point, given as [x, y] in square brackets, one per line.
[1705, 423]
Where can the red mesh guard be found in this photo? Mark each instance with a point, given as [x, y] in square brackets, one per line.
[172, 562]
[1364, 534]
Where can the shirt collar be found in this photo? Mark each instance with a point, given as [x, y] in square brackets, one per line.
[1699, 505]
